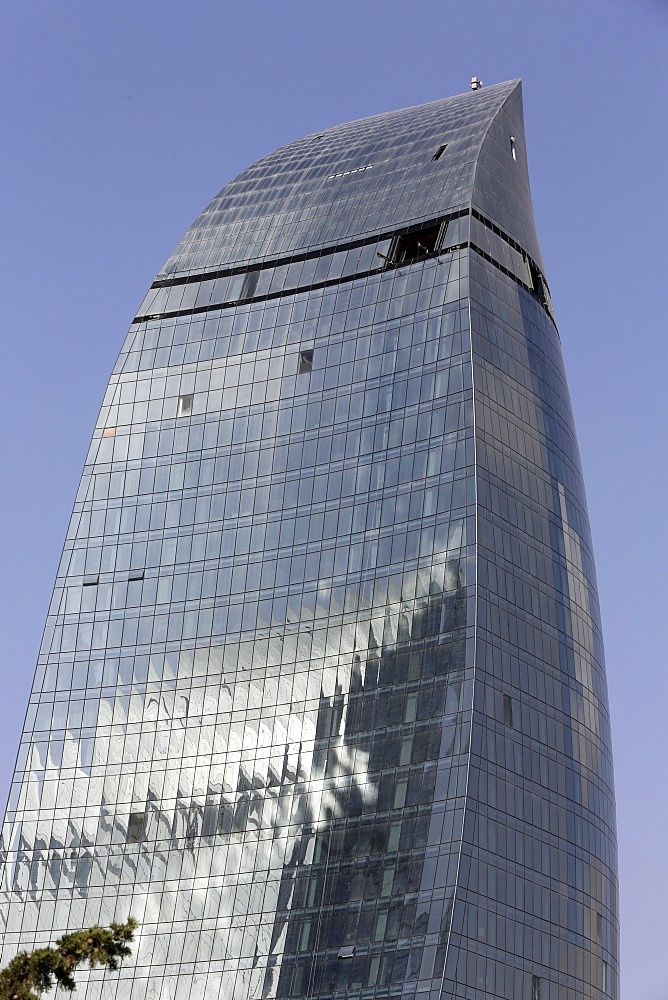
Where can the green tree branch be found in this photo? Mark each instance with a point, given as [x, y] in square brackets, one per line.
[29, 974]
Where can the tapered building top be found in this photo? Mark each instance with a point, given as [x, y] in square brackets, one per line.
[372, 176]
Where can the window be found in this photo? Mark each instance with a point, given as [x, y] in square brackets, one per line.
[439, 152]
[508, 711]
[605, 977]
[250, 284]
[136, 828]
[235, 287]
[185, 405]
[513, 151]
[415, 245]
[535, 988]
[305, 362]
[537, 285]
[109, 432]
[348, 951]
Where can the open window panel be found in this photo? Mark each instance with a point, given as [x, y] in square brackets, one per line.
[136, 828]
[419, 243]
[537, 284]
[184, 407]
[305, 362]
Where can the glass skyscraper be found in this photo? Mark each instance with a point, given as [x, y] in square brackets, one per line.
[321, 698]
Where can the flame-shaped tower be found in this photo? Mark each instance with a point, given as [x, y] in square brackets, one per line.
[321, 699]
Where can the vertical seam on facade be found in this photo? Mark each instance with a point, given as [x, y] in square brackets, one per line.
[475, 621]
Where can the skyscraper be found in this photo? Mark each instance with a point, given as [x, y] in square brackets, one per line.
[321, 698]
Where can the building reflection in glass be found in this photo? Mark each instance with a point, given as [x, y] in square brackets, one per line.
[321, 697]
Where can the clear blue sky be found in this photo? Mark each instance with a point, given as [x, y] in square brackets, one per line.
[119, 121]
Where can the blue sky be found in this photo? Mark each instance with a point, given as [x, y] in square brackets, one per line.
[120, 121]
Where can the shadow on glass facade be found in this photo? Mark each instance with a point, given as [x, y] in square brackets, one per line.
[321, 697]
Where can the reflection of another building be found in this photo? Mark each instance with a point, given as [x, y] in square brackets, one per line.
[382, 811]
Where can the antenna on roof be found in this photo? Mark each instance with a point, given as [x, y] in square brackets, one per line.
[476, 84]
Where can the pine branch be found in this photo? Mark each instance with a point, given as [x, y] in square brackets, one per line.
[28, 975]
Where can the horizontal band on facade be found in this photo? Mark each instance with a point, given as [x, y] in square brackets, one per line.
[529, 277]
[295, 258]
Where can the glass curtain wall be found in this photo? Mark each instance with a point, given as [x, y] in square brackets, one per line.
[321, 697]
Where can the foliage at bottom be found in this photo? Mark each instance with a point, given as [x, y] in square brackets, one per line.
[29, 974]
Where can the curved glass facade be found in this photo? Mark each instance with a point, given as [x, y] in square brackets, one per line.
[321, 699]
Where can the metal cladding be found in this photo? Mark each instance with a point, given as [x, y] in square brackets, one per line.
[321, 699]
